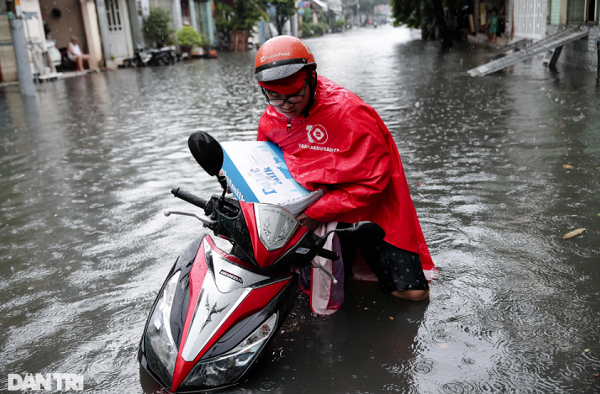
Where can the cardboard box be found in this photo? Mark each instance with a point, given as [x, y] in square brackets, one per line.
[256, 172]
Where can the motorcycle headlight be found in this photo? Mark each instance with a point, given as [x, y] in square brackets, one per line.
[226, 369]
[161, 351]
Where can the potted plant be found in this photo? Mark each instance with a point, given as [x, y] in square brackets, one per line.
[189, 38]
[201, 46]
[156, 27]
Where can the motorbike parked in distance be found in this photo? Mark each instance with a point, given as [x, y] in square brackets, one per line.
[145, 56]
[217, 310]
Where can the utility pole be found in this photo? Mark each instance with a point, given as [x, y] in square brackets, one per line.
[20, 47]
[424, 32]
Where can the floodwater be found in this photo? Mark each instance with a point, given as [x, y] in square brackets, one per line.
[87, 165]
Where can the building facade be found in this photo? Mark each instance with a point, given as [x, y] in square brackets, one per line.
[536, 19]
[108, 30]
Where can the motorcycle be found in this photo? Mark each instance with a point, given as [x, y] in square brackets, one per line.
[218, 310]
[145, 56]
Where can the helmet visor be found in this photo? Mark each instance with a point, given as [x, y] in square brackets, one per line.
[277, 72]
[289, 85]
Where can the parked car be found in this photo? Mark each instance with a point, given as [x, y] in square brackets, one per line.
[55, 55]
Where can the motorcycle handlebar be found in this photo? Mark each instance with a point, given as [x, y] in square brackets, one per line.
[188, 197]
[328, 254]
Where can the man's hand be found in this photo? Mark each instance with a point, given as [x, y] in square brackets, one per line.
[308, 222]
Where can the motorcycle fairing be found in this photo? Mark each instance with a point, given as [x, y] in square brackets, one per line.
[216, 306]
[266, 258]
[177, 320]
[282, 303]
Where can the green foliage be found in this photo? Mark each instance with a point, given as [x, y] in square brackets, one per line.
[284, 10]
[320, 28]
[338, 25]
[188, 37]
[307, 15]
[321, 17]
[317, 28]
[408, 12]
[313, 29]
[242, 16]
[156, 27]
[305, 29]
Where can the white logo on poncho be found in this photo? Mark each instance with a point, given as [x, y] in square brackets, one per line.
[316, 134]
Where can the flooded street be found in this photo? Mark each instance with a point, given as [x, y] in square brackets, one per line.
[86, 169]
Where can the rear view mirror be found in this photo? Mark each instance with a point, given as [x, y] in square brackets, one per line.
[207, 152]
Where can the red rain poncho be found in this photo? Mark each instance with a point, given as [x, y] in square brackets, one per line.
[344, 147]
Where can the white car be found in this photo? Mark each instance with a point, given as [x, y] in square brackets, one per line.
[54, 52]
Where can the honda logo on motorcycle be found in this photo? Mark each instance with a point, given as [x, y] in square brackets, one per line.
[231, 276]
[316, 134]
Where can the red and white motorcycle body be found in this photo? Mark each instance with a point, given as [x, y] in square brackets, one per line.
[217, 310]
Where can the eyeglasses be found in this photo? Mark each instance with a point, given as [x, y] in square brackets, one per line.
[297, 99]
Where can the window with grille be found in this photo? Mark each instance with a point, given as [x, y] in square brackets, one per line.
[575, 11]
[114, 15]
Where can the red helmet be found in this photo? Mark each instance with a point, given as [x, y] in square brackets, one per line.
[281, 57]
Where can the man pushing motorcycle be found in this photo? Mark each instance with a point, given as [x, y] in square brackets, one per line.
[332, 140]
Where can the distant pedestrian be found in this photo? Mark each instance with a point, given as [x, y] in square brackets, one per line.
[492, 25]
[75, 55]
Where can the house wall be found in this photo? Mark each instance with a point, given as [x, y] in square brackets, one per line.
[92, 31]
[529, 18]
[34, 30]
[69, 24]
[164, 4]
[581, 53]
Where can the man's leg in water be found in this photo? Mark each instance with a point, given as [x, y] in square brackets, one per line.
[414, 295]
[402, 274]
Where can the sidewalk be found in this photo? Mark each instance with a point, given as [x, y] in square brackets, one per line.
[52, 77]
[482, 39]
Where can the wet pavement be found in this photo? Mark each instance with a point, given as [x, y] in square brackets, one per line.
[87, 165]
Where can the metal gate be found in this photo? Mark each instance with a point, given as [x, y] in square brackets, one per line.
[8, 63]
[530, 19]
[117, 36]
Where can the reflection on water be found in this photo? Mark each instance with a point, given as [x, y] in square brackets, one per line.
[87, 165]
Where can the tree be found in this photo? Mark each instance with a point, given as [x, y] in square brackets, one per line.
[238, 15]
[431, 16]
[409, 12]
[284, 10]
